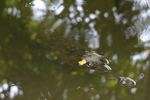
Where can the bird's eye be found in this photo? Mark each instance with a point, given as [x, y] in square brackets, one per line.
[90, 56]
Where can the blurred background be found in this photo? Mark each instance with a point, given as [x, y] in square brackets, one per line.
[41, 42]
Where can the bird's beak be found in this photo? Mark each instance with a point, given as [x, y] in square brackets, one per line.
[82, 62]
